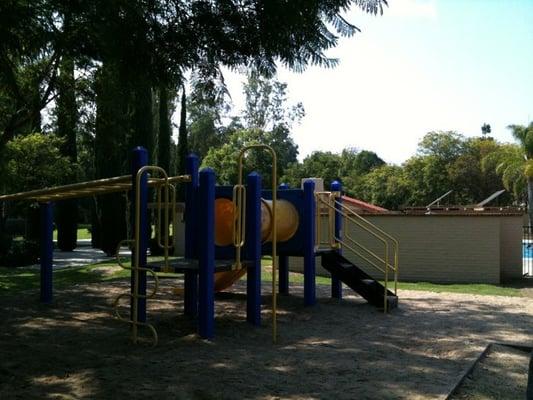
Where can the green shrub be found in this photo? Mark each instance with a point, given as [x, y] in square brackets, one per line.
[20, 253]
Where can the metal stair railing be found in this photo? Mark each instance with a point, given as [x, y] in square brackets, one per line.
[328, 201]
[166, 203]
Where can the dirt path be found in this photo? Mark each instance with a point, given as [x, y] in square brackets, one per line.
[73, 349]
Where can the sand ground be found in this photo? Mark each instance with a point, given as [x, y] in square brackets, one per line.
[74, 349]
[502, 374]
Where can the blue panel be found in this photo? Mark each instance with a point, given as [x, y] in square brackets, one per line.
[284, 274]
[191, 206]
[206, 255]
[190, 300]
[309, 244]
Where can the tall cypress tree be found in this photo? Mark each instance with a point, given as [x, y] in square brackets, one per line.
[163, 146]
[67, 210]
[142, 124]
[183, 147]
[111, 153]
[165, 132]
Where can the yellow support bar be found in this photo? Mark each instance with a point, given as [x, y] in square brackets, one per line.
[89, 188]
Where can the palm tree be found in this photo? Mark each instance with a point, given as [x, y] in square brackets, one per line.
[509, 163]
[524, 135]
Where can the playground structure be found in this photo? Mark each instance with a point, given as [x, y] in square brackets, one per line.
[227, 231]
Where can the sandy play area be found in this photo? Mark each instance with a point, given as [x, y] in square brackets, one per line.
[74, 349]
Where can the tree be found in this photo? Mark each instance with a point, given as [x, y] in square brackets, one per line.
[29, 62]
[428, 171]
[470, 181]
[164, 143]
[509, 163]
[34, 161]
[111, 155]
[66, 110]
[524, 136]
[183, 146]
[386, 186]
[208, 104]
[485, 129]
[359, 163]
[157, 40]
[266, 104]
[444, 145]
[224, 159]
[319, 164]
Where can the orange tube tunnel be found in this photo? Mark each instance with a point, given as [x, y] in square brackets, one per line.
[286, 217]
[287, 225]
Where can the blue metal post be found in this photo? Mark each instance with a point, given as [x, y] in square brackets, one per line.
[283, 263]
[139, 160]
[336, 284]
[206, 255]
[47, 251]
[309, 244]
[253, 248]
[190, 302]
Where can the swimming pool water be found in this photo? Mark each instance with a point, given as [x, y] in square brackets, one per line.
[527, 250]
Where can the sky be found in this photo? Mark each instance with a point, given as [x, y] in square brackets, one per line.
[424, 65]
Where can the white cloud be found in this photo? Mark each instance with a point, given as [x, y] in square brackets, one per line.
[412, 8]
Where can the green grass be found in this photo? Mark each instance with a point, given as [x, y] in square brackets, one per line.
[14, 280]
[465, 288]
[83, 233]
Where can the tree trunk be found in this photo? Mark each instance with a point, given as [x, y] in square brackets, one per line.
[67, 210]
[143, 129]
[111, 153]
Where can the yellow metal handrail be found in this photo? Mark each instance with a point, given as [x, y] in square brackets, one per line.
[394, 241]
[164, 189]
[239, 215]
[330, 242]
[329, 199]
[238, 226]
[167, 205]
[133, 297]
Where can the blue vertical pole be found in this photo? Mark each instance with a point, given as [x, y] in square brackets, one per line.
[139, 160]
[336, 284]
[253, 248]
[190, 302]
[283, 262]
[47, 251]
[206, 255]
[309, 244]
